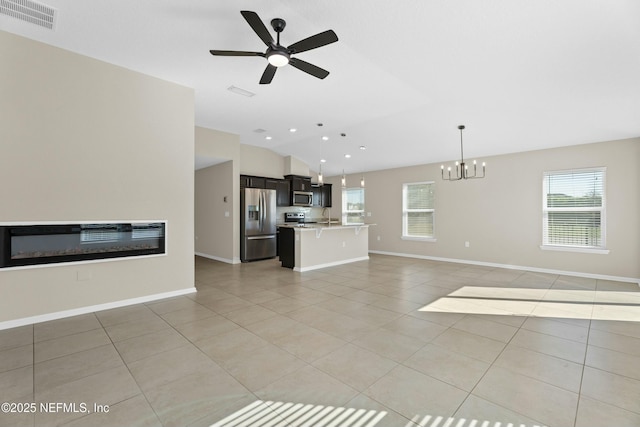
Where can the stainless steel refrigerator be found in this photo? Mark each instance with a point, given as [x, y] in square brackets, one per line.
[257, 224]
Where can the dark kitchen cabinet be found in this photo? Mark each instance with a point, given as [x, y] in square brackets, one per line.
[247, 181]
[282, 190]
[326, 196]
[299, 183]
[321, 195]
[286, 246]
[271, 183]
[283, 193]
[317, 195]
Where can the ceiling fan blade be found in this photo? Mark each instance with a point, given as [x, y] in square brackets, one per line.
[321, 39]
[234, 53]
[257, 25]
[268, 74]
[308, 68]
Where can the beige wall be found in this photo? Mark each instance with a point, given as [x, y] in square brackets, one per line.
[83, 140]
[217, 236]
[214, 217]
[260, 162]
[216, 144]
[501, 215]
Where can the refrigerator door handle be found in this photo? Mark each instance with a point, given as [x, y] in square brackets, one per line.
[270, 236]
[262, 218]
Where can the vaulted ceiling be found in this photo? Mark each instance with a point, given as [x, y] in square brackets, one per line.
[520, 74]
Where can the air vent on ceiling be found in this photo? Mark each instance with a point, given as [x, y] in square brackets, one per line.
[30, 11]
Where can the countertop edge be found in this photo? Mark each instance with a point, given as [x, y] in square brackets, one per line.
[325, 227]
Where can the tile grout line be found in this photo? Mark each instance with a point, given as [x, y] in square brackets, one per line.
[493, 364]
[129, 370]
[584, 361]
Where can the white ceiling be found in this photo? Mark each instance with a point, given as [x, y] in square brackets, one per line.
[520, 74]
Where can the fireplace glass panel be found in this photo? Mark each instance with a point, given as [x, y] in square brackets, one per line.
[41, 244]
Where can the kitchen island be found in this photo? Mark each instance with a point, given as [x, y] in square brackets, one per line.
[310, 247]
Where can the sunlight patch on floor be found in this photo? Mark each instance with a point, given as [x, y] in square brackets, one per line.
[287, 414]
[439, 421]
[560, 303]
[281, 414]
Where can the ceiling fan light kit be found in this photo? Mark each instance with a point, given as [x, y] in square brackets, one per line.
[278, 55]
[462, 169]
[278, 58]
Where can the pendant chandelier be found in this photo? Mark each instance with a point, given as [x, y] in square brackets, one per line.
[462, 169]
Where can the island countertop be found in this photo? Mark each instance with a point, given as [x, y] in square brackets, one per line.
[323, 226]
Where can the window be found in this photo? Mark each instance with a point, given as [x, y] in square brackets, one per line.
[574, 209]
[353, 206]
[418, 211]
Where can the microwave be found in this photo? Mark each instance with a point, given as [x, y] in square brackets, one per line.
[301, 198]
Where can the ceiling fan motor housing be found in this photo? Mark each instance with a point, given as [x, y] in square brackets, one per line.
[278, 24]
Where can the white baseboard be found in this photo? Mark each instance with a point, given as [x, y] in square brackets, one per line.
[515, 267]
[92, 308]
[217, 258]
[330, 264]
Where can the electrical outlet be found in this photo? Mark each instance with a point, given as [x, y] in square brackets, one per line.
[378, 238]
[226, 213]
[466, 244]
[344, 244]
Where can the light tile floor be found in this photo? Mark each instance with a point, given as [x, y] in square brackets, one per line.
[387, 342]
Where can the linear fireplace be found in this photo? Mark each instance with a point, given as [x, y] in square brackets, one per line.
[26, 245]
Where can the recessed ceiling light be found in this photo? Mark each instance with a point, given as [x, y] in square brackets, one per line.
[347, 156]
[267, 137]
[362, 147]
[292, 130]
[323, 160]
[325, 138]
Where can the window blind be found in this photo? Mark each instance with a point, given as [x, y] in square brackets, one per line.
[418, 210]
[573, 208]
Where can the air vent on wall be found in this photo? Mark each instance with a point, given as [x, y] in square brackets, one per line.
[30, 11]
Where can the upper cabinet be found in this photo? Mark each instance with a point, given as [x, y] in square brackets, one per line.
[326, 196]
[299, 183]
[280, 185]
[284, 187]
[321, 195]
[247, 181]
[282, 191]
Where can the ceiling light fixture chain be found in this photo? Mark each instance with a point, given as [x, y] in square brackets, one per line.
[462, 169]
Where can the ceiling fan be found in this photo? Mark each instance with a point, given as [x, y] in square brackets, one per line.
[278, 55]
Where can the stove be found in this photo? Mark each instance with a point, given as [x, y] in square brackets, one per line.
[294, 217]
